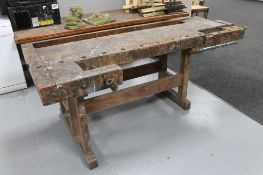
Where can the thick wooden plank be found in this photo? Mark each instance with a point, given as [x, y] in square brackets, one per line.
[158, 13]
[133, 93]
[22, 38]
[142, 70]
[114, 48]
[79, 129]
[126, 47]
[88, 62]
[224, 35]
[41, 75]
[163, 65]
[152, 9]
[80, 37]
[184, 70]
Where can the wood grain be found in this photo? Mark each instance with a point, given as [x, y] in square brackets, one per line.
[132, 93]
[184, 70]
[67, 70]
[58, 68]
[74, 38]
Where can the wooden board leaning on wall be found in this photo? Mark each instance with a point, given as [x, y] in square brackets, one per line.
[122, 20]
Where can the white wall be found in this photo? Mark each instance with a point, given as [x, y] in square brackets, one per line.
[90, 6]
[188, 4]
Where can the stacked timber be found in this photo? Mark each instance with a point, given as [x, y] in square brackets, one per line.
[133, 5]
[145, 8]
[149, 8]
[153, 8]
[173, 6]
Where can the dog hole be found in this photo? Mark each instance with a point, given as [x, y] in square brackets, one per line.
[109, 82]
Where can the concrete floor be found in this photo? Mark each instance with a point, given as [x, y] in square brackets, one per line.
[150, 136]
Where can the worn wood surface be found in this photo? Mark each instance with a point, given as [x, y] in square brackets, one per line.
[68, 71]
[184, 70]
[62, 40]
[133, 93]
[57, 68]
[74, 114]
[142, 70]
[57, 31]
[55, 82]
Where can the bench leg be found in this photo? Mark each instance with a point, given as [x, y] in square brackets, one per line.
[74, 109]
[206, 14]
[180, 96]
[185, 70]
[64, 113]
[163, 70]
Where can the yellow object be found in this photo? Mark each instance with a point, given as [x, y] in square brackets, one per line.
[47, 22]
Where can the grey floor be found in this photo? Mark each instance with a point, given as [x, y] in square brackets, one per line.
[150, 136]
[235, 73]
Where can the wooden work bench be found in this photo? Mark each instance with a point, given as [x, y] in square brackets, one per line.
[66, 70]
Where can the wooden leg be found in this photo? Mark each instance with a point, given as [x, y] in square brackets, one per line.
[79, 128]
[64, 113]
[206, 14]
[184, 70]
[180, 96]
[163, 62]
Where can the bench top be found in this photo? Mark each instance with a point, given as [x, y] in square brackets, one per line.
[57, 68]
